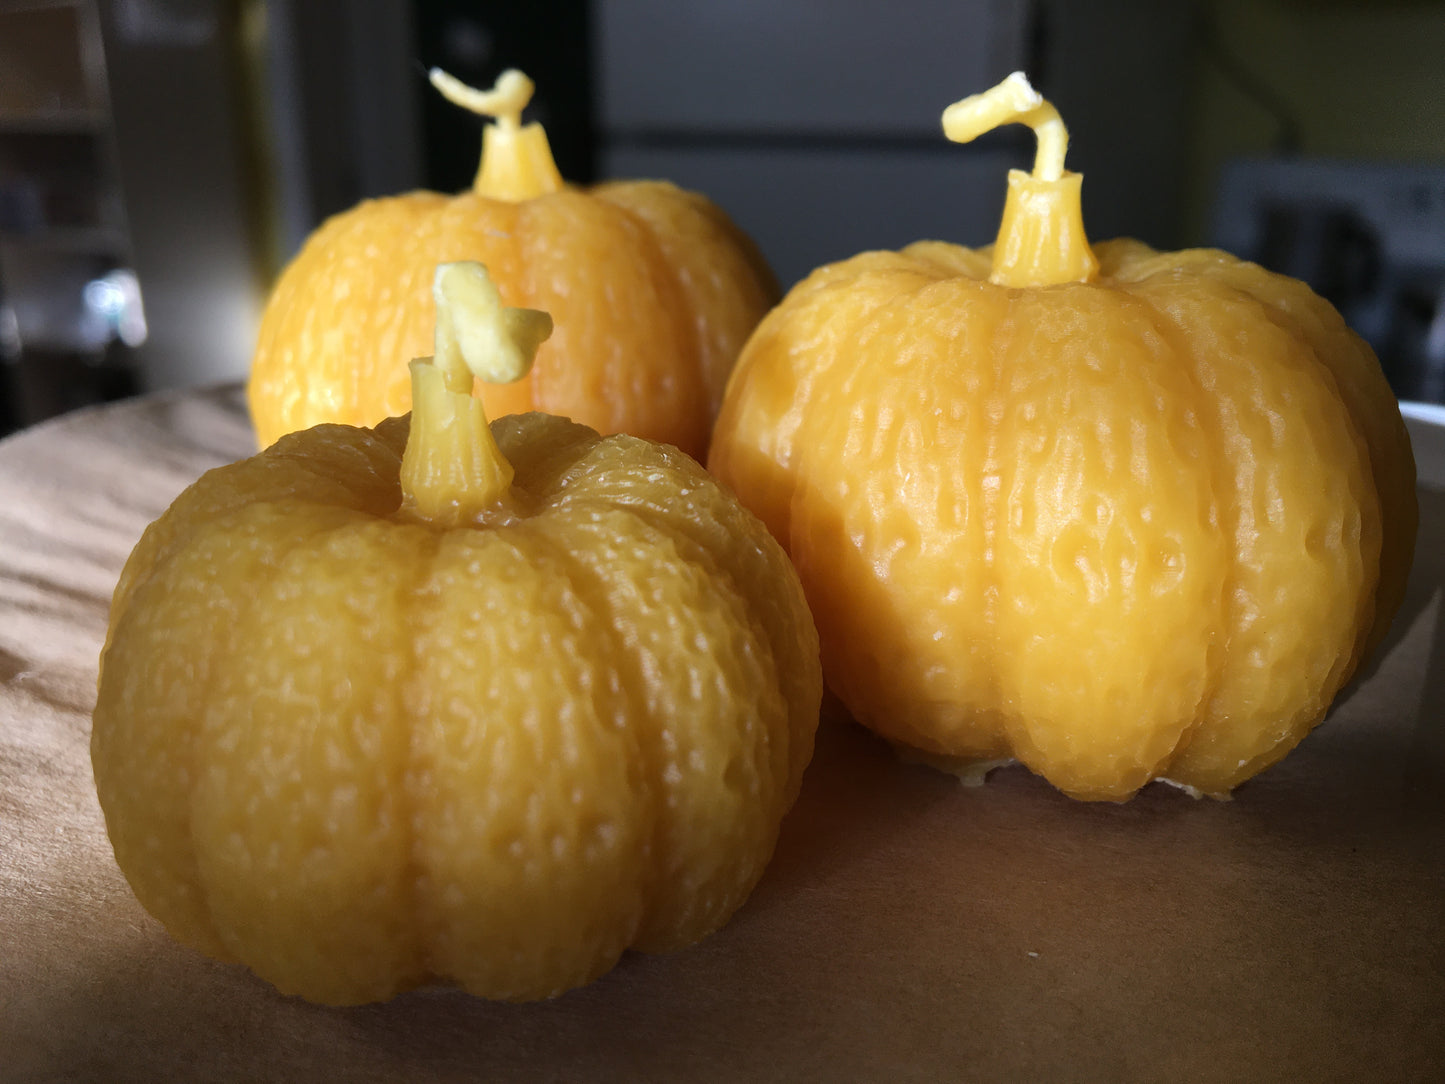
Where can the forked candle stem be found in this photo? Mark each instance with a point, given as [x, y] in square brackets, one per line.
[452, 471]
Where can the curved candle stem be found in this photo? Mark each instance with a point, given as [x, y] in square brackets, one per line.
[517, 162]
[1041, 238]
[1014, 101]
[452, 471]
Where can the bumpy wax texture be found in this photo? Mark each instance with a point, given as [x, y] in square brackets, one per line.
[359, 754]
[652, 290]
[1138, 528]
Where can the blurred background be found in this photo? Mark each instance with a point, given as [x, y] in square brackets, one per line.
[160, 160]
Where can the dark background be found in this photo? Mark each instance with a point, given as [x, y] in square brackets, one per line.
[160, 160]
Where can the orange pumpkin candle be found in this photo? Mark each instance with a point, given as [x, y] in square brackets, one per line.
[653, 289]
[444, 701]
[1119, 514]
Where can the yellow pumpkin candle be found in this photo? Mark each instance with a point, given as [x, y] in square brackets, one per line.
[653, 289]
[1119, 514]
[449, 702]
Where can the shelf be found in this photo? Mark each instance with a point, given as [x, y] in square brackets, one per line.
[109, 240]
[54, 121]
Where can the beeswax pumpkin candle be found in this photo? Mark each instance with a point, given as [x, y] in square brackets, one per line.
[444, 702]
[653, 289]
[1119, 514]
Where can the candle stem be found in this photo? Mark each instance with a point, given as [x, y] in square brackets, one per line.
[1041, 238]
[452, 471]
[517, 162]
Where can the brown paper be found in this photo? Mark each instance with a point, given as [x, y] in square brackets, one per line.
[909, 928]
